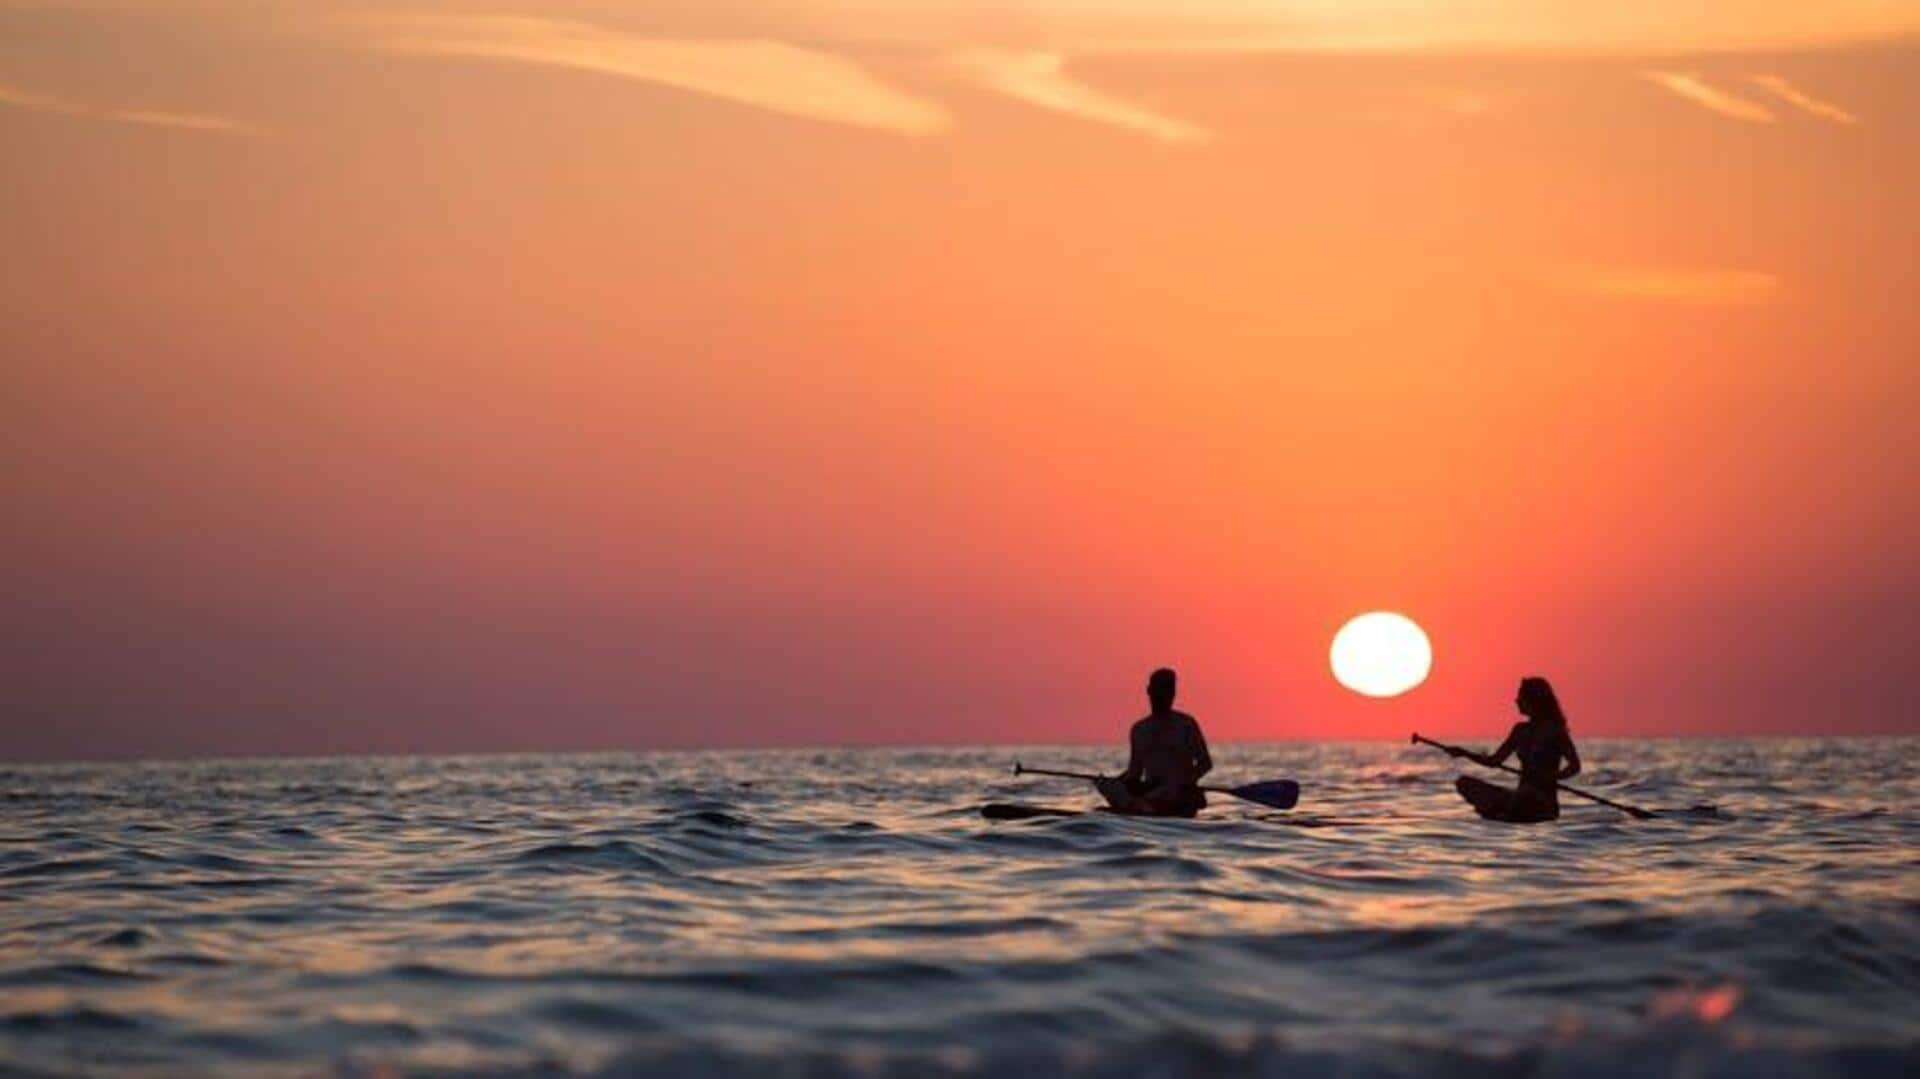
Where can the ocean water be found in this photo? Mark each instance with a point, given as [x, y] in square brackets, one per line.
[833, 912]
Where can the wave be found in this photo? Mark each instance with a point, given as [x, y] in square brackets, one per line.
[611, 855]
[688, 914]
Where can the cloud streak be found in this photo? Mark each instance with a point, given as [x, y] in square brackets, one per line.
[1041, 79]
[144, 117]
[1805, 102]
[1521, 27]
[1703, 286]
[1692, 87]
[765, 74]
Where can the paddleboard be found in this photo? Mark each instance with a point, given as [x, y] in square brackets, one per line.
[1011, 811]
[1015, 811]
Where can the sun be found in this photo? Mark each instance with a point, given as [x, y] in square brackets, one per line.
[1381, 654]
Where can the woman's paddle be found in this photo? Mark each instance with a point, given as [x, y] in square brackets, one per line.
[1272, 793]
[1634, 811]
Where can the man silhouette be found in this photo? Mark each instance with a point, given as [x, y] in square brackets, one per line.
[1167, 756]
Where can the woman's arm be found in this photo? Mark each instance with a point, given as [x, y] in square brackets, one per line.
[1571, 753]
[1492, 760]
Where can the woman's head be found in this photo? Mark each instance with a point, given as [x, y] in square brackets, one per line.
[1537, 701]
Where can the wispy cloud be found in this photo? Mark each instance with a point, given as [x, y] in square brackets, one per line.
[1693, 88]
[1709, 286]
[1434, 107]
[1041, 79]
[1559, 27]
[766, 74]
[1800, 99]
[62, 106]
[1456, 101]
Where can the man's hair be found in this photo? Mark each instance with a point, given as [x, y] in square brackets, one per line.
[1162, 681]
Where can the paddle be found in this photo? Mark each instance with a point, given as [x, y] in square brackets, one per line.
[1273, 793]
[1634, 811]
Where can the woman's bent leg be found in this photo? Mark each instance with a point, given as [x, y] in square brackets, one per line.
[1487, 800]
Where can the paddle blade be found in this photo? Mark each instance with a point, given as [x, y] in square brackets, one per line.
[1274, 793]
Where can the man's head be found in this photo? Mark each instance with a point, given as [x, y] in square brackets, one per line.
[1160, 687]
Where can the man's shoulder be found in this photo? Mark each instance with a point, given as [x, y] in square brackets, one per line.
[1166, 721]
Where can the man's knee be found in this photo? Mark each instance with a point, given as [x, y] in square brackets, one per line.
[1116, 793]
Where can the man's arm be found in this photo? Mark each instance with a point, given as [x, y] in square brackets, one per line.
[1132, 775]
[1202, 760]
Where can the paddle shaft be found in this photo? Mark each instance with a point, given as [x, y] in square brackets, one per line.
[1022, 770]
[1632, 810]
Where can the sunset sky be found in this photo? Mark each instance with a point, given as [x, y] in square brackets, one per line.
[444, 376]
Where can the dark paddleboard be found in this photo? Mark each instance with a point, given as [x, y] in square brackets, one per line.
[1015, 811]
[1010, 811]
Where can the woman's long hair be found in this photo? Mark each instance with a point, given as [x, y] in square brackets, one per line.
[1537, 700]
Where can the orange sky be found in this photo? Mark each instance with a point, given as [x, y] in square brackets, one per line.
[432, 376]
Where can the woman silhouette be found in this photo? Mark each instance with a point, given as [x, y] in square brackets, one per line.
[1541, 741]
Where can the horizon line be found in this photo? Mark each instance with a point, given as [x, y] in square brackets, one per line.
[816, 747]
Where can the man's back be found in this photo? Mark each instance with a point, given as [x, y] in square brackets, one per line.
[1168, 750]
[1166, 757]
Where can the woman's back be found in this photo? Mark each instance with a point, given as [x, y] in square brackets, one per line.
[1538, 746]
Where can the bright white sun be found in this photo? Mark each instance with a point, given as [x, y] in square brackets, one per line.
[1381, 654]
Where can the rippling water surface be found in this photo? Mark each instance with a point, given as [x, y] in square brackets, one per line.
[848, 911]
